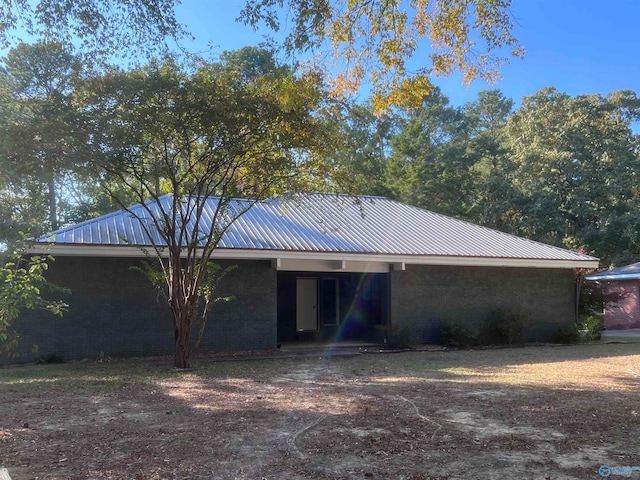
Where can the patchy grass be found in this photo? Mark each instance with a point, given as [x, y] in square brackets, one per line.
[532, 412]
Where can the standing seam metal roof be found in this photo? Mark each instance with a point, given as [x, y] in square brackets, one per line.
[329, 223]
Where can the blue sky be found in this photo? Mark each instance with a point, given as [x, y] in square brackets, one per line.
[579, 47]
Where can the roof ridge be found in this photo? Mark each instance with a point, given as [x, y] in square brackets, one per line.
[323, 194]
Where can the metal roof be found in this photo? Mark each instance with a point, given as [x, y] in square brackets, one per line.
[330, 223]
[628, 272]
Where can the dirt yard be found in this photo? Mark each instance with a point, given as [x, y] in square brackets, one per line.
[533, 412]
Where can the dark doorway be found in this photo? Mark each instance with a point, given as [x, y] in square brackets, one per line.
[327, 306]
[330, 301]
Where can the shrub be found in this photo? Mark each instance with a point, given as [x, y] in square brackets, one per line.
[503, 327]
[566, 334]
[50, 358]
[594, 327]
[458, 333]
[22, 287]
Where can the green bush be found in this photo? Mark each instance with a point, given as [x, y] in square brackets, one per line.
[566, 334]
[594, 327]
[22, 287]
[503, 327]
[458, 333]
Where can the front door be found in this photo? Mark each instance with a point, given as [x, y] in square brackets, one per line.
[306, 304]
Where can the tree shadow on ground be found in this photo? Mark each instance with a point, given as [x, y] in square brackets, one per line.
[415, 415]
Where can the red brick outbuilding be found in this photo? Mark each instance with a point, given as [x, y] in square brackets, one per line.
[621, 292]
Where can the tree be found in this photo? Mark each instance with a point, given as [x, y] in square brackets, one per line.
[577, 167]
[40, 135]
[487, 117]
[103, 28]
[22, 286]
[370, 40]
[182, 141]
[428, 166]
[493, 199]
[21, 210]
[357, 147]
[374, 40]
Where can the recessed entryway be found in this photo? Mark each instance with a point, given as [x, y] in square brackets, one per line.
[323, 306]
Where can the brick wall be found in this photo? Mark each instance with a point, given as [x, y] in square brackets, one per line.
[422, 296]
[622, 311]
[114, 310]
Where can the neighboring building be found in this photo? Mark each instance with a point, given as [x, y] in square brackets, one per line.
[316, 267]
[621, 293]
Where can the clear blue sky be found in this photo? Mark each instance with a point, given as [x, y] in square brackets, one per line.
[577, 46]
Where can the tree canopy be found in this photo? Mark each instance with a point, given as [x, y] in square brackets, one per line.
[395, 47]
[41, 139]
[379, 41]
[576, 163]
[106, 28]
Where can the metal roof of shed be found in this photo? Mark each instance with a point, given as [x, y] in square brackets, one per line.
[628, 272]
[322, 223]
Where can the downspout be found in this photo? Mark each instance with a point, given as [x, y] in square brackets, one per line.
[577, 293]
[389, 323]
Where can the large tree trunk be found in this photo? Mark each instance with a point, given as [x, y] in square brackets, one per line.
[182, 319]
[181, 355]
[182, 337]
[53, 211]
[182, 309]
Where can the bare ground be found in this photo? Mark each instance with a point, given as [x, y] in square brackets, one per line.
[533, 412]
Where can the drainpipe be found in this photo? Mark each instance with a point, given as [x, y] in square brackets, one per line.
[578, 288]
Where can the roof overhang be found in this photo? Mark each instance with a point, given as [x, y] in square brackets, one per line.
[324, 261]
[613, 277]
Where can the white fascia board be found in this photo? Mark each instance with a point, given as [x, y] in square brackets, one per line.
[246, 254]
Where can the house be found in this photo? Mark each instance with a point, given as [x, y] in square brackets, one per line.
[324, 267]
[621, 293]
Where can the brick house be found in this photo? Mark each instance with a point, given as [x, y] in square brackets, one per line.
[319, 267]
[621, 293]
